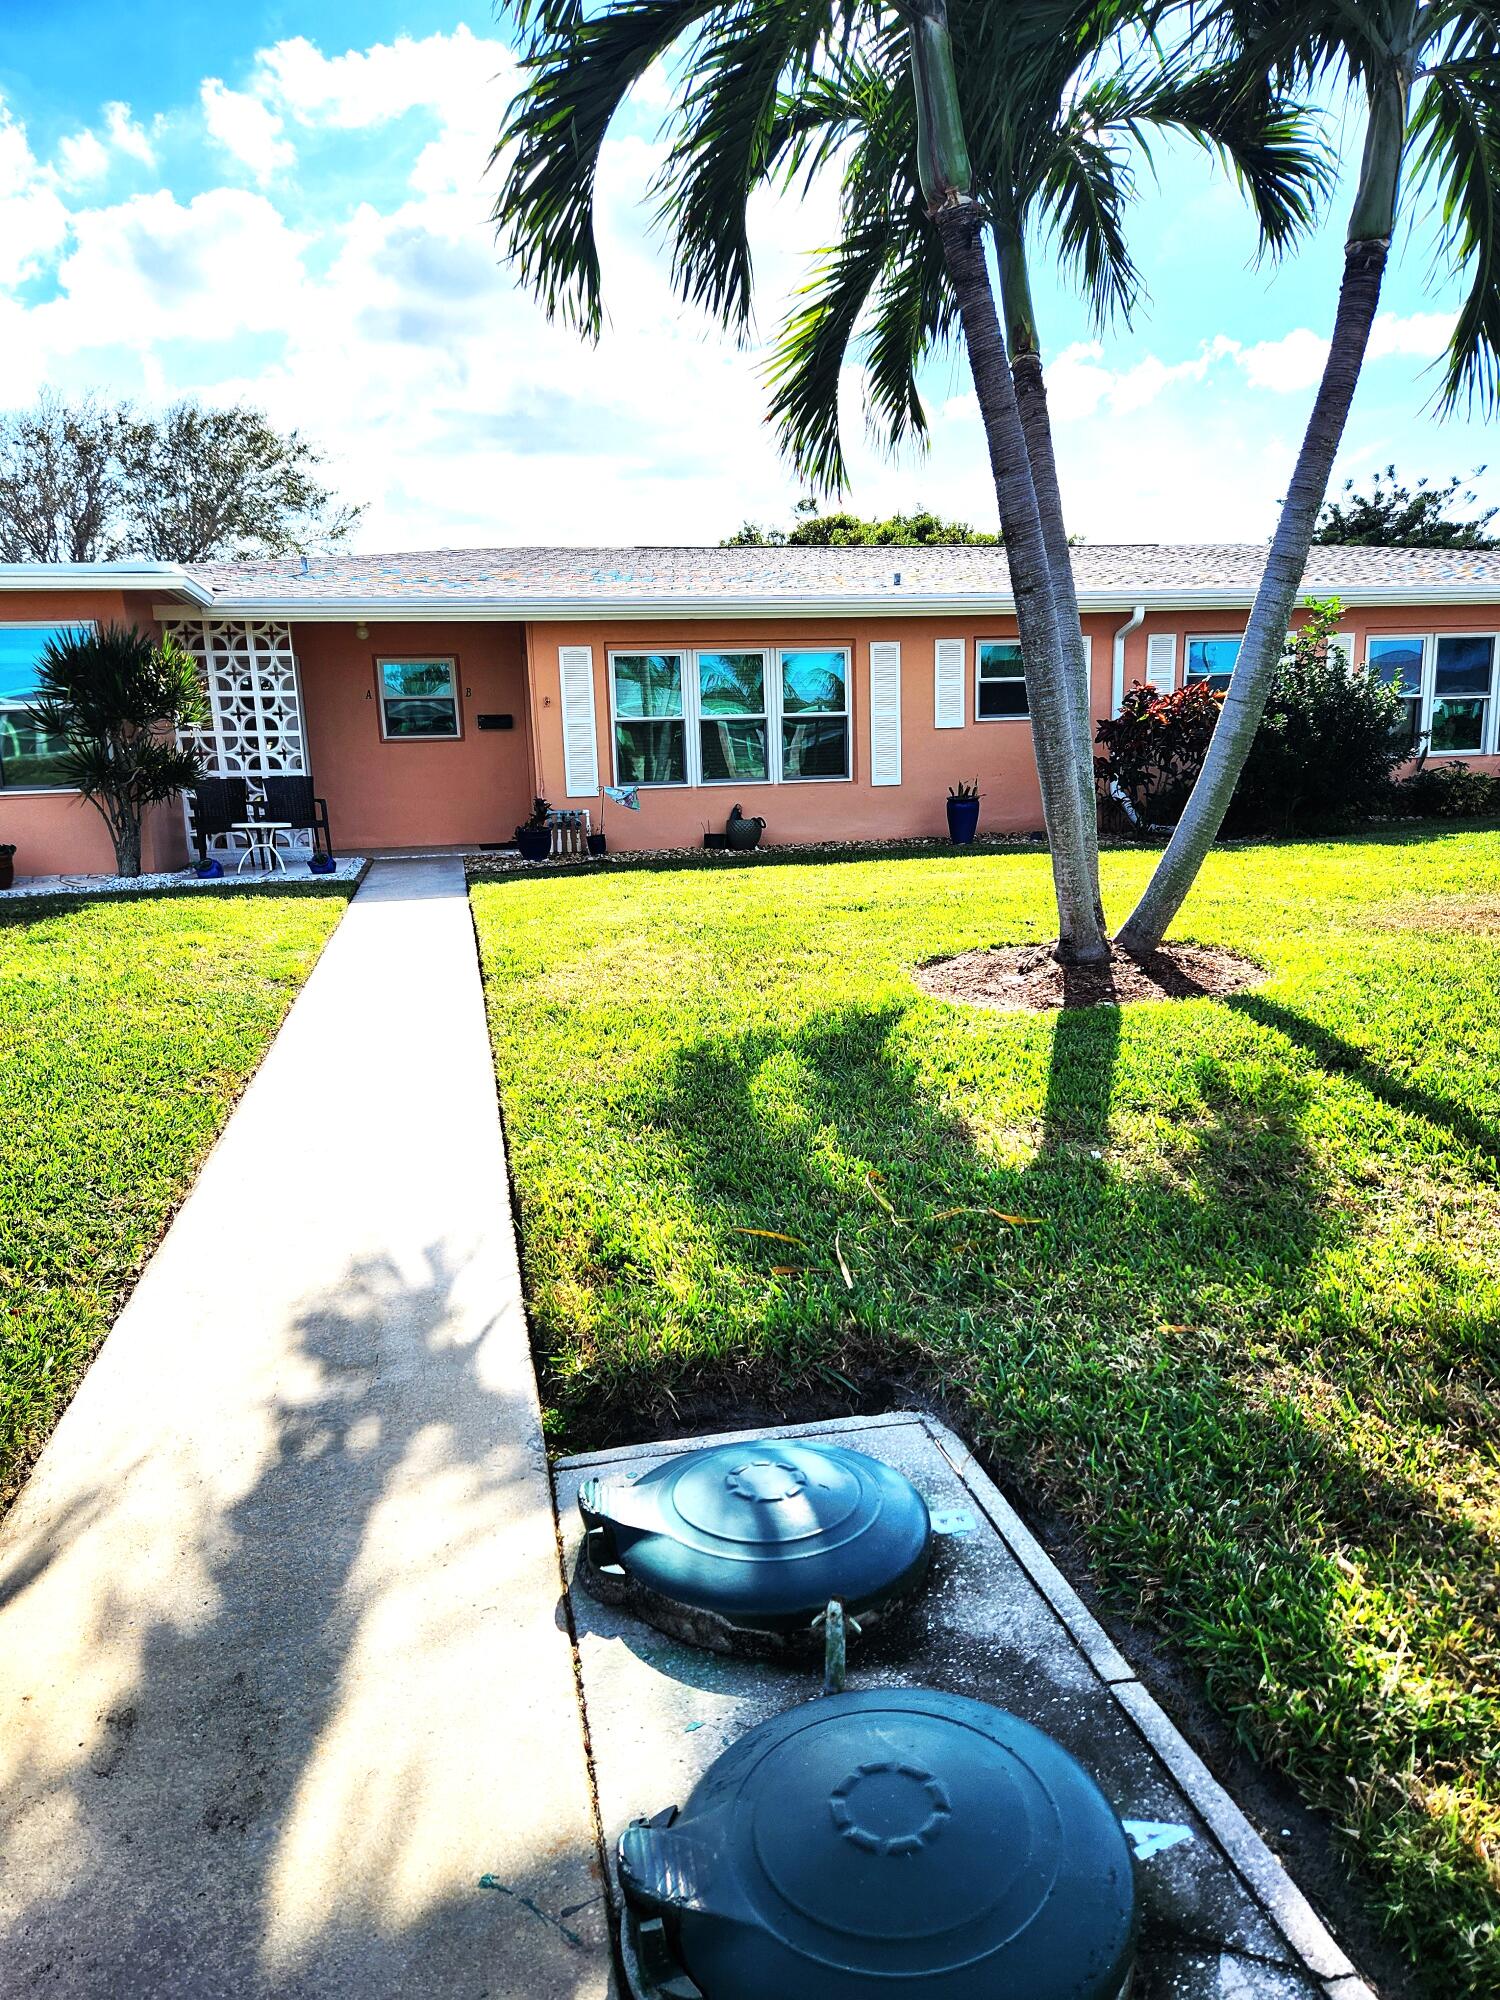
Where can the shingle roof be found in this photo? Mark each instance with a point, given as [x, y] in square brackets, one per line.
[551, 578]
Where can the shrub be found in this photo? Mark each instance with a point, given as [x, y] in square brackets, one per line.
[1444, 791]
[1327, 743]
[1154, 748]
[1322, 756]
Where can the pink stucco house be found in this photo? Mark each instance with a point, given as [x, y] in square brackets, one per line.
[835, 692]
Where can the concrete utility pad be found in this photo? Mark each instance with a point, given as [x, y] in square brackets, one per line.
[998, 1622]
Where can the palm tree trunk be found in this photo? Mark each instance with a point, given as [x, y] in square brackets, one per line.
[1067, 804]
[1367, 249]
[1036, 426]
[1067, 792]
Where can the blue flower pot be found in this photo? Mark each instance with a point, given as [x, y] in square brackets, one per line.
[209, 871]
[321, 864]
[963, 821]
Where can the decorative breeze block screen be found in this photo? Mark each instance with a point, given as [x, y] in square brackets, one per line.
[249, 670]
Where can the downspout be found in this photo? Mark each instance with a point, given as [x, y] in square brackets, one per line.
[1132, 624]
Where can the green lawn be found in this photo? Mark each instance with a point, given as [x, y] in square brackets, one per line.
[1244, 1331]
[128, 1026]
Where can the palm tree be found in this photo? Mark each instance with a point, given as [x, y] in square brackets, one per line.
[1429, 74]
[744, 62]
[1061, 153]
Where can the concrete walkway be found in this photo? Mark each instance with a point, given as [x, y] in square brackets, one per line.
[282, 1675]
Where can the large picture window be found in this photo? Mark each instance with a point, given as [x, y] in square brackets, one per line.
[1000, 681]
[730, 715]
[31, 759]
[418, 699]
[1398, 662]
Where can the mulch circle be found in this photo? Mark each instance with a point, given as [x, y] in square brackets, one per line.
[1028, 979]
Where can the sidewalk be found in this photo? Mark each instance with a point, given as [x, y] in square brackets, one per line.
[282, 1671]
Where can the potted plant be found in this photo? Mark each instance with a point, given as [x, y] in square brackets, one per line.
[534, 835]
[321, 864]
[963, 813]
[743, 833]
[7, 863]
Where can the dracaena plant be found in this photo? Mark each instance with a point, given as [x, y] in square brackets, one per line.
[1427, 74]
[119, 699]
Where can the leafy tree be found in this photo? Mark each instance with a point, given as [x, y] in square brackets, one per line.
[1393, 516]
[118, 698]
[919, 530]
[1428, 74]
[86, 482]
[59, 482]
[201, 483]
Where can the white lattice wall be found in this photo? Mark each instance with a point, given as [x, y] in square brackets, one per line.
[255, 727]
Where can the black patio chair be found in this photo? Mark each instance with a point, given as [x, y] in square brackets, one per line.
[293, 800]
[217, 804]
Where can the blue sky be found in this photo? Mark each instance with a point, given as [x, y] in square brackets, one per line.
[288, 204]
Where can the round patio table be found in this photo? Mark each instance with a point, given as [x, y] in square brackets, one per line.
[260, 843]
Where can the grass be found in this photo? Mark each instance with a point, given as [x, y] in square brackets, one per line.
[128, 1026]
[1219, 1279]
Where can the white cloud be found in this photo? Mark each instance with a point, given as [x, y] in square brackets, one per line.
[153, 269]
[1423, 334]
[247, 130]
[81, 160]
[33, 218]
[1293, 362]
[126, 135]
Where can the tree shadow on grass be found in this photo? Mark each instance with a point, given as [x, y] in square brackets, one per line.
[254, 1744]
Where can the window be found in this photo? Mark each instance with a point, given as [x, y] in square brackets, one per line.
[1212, 660]
[1461, 677]
[1398, 662]
[1000, 684]
[815, 714]
[733, 736]
[30, 758]
[418, 698]
[650, 719]
[730, 716]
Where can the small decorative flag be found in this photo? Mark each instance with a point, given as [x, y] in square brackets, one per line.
[624, 795]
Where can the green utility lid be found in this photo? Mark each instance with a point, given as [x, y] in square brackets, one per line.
[757, 1538]
[898, 1844]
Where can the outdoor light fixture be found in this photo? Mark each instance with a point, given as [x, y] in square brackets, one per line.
[894, 1841]
[747, 1547]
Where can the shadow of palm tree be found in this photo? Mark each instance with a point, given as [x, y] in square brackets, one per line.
[250, 1810]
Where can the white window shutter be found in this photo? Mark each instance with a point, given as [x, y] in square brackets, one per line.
[885, 712]
[1161, 661]
[1345, 642]
[948, 676]
[580, 745]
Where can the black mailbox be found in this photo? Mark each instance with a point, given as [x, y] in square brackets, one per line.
[495, 721]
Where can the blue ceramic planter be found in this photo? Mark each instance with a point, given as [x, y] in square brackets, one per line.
[963, 821]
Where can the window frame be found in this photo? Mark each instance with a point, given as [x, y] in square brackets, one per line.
[450, 661]
[33, 625]
[1431, 697]
[775, 714]
[1419, 699]
[1428, 696]
[1191, 639]
[1000, 639]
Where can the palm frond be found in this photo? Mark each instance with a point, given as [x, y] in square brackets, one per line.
[807, 364]
[1087, 185]
[580, 71]
[1455, 135]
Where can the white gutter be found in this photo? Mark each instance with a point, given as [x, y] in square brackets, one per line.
[616, 610]
[1133, 623]
[104, 575]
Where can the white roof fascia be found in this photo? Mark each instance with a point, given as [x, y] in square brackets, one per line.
[104, 576]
